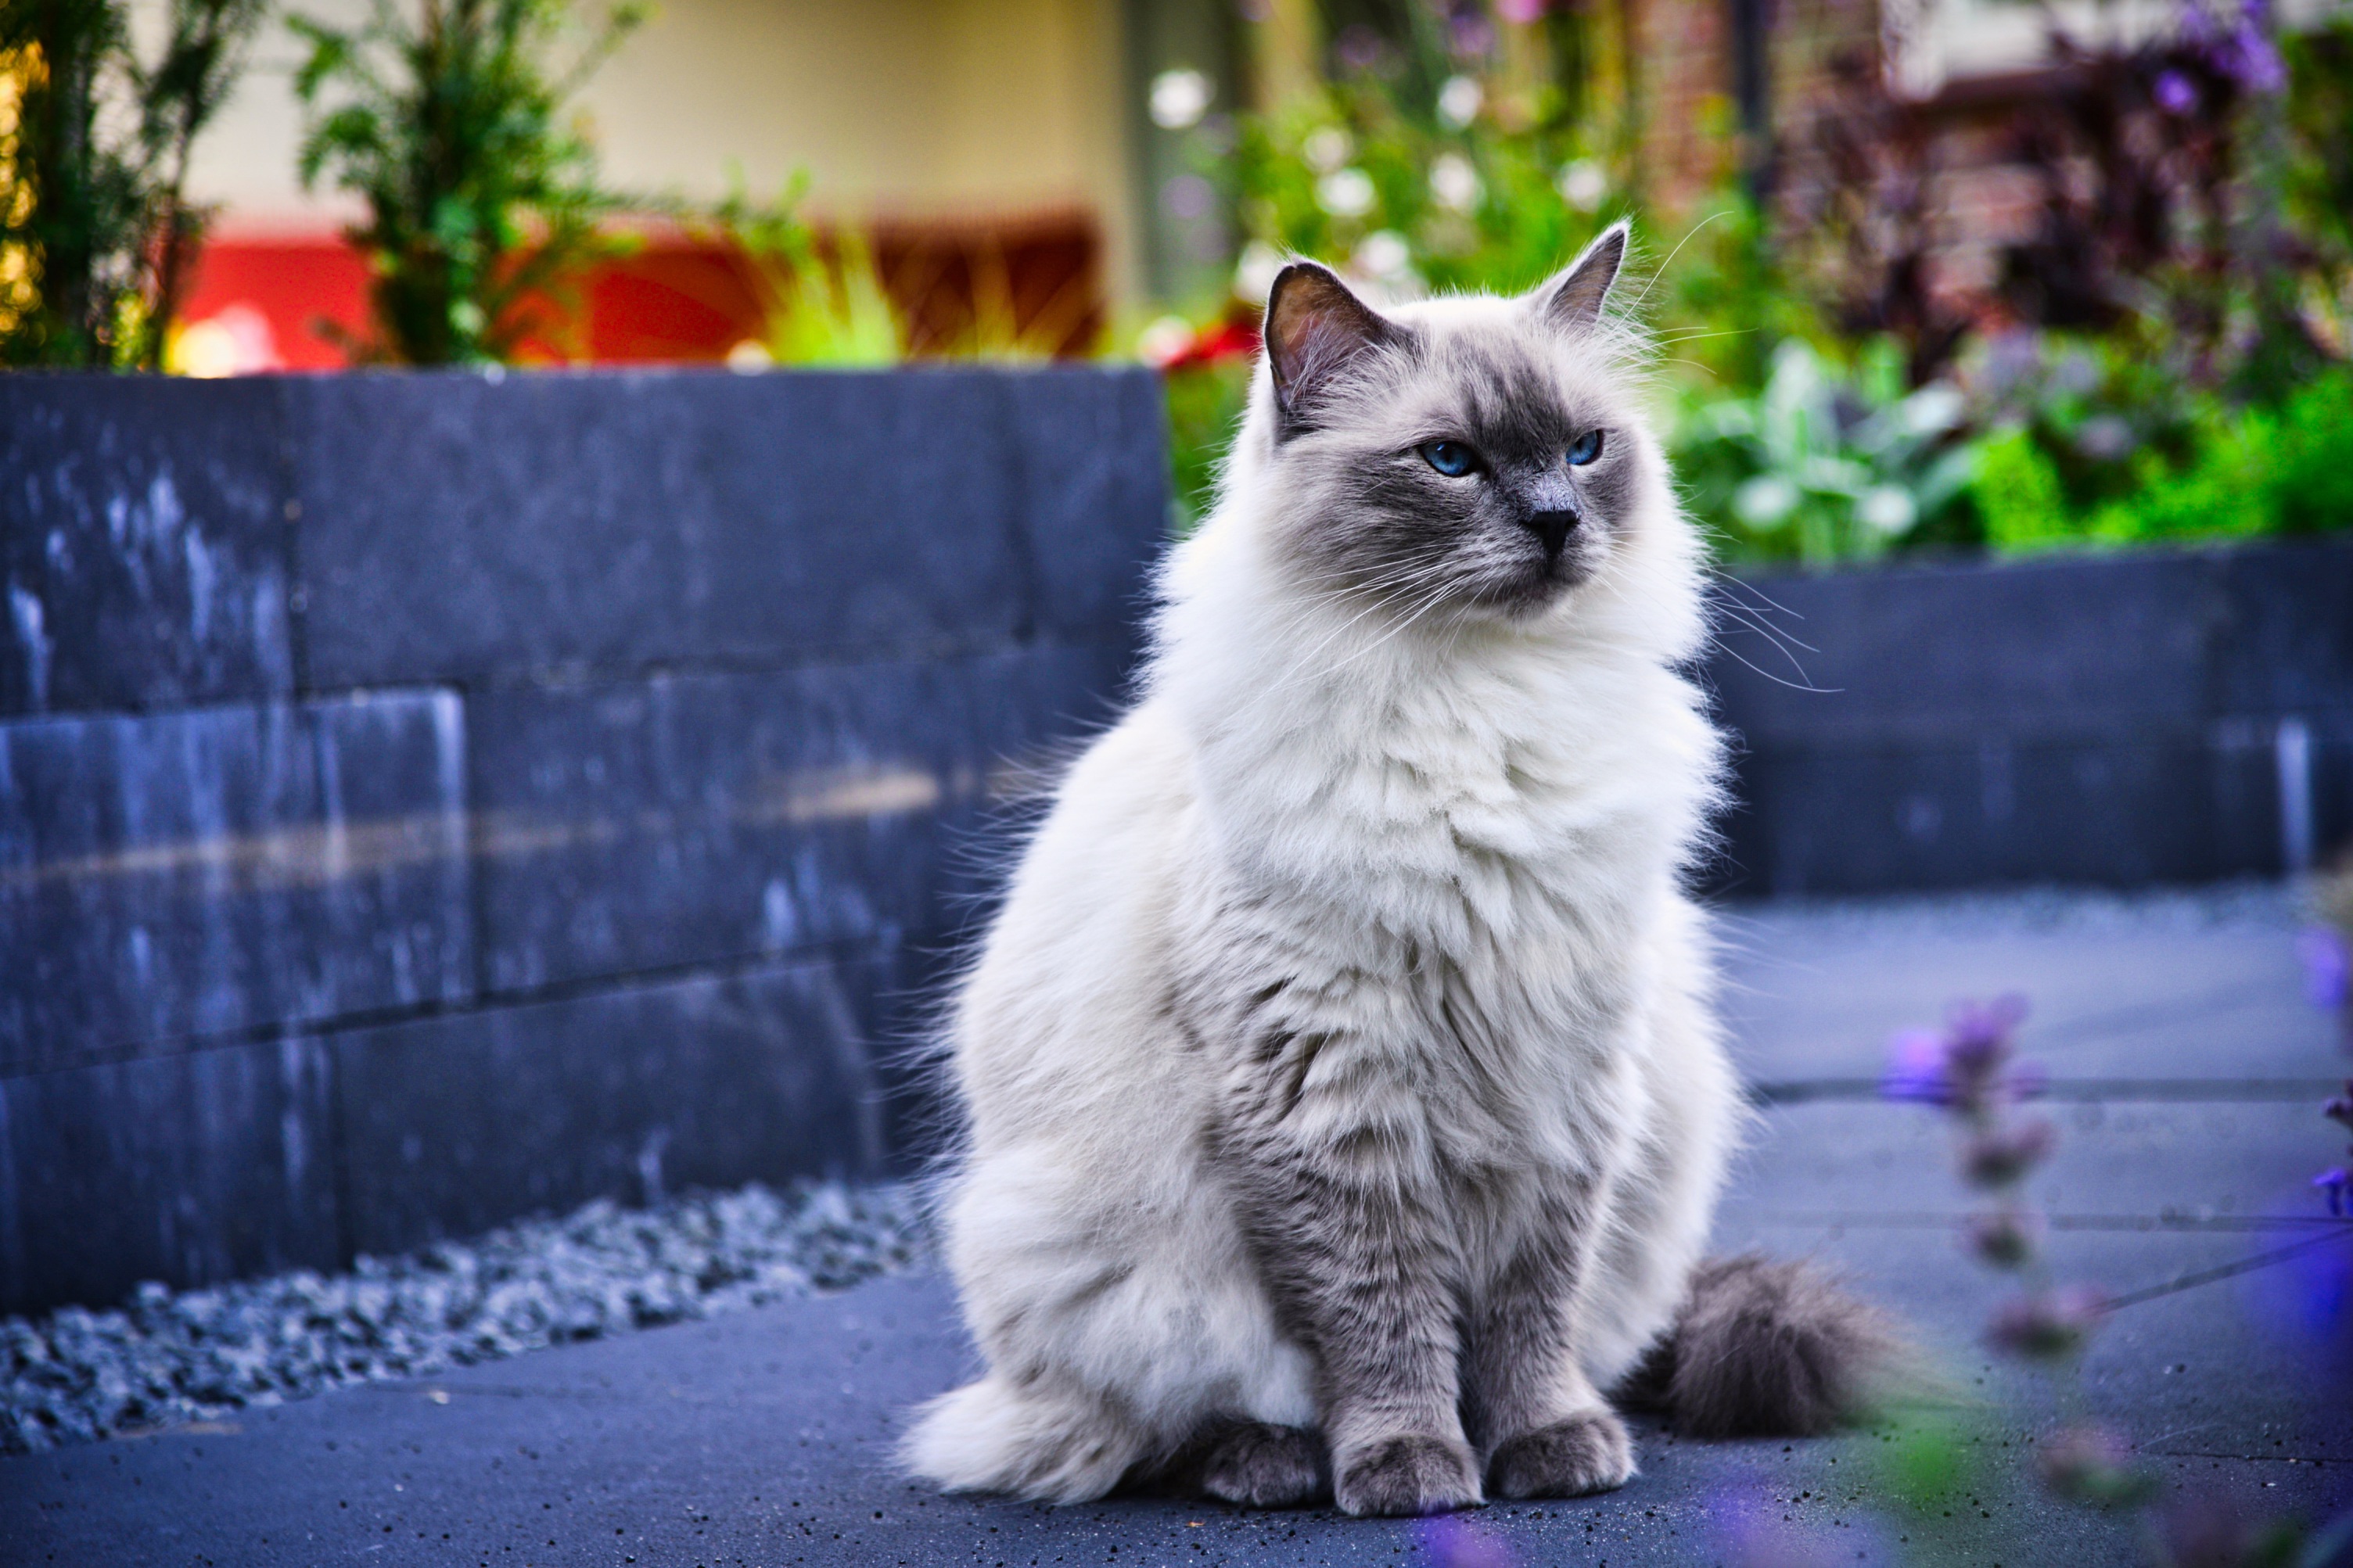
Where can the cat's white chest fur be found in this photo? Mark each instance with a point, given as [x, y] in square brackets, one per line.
[1448, 853]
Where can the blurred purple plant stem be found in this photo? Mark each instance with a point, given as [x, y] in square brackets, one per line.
[2326, 968]
[2007, 1238]
[2047, 1325]
[2332, 1183]
[2092, 1463]
[2204, 1530]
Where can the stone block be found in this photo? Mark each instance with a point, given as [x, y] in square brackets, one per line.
[1091, 451]
[694, 818]
[144, 543]
[2156, 805]
[190, 1169]
[454, 1124]
[2111, 645]
[457, 525]
[223, 869]
[2285, 643]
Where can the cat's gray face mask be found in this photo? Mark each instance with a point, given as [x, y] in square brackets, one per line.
[1445, 468]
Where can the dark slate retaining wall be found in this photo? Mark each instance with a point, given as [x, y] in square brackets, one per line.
[426, 799]
[2119, 720]
[429, 798]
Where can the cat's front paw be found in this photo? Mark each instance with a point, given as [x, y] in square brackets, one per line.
[1587, 1453]
[1258, 1464]
[1407, 1476]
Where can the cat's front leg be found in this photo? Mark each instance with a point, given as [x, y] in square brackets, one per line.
[1364, 1274]
[1546, 1430]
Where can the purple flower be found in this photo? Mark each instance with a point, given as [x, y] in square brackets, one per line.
[2049, 1325]
[1468, 32]
[2334, 1182]
[2005, 1240]
[1450, 1541]
[2259, 67]
[1982, 1033]
[2174, 93]
[2092, 1464]
[1962, 1068]
[1916, 1069]
[1998, 1156]
[2325, 968]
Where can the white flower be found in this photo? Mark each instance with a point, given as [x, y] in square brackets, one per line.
[1454, 185]
[749, 357]
[1887, 508]
[1459, 100]
[1346, 192]
[1255, 272]
[1327, 149]
[1164, 339]
[1933, 410]
[1583, 183]
[1765, 501]
[1382, 254]
[1179, 99]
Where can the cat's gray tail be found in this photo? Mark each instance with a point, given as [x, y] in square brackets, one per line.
[1766, 1348]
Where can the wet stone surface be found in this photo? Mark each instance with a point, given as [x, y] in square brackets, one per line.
[2172, 1029]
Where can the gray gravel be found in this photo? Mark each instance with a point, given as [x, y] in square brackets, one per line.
[173, 1357]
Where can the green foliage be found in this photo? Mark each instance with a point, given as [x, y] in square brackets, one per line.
[96, 230]
[2318, 177]
[1408, 204]
[1924, 1457]
[1205, 409]
[1821, 466]
[482, 205]
[1458, 162]
[2239, 472]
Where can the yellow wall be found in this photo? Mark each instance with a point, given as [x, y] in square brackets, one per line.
[901, 108]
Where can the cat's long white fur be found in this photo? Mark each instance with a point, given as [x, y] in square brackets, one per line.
[1509, 803]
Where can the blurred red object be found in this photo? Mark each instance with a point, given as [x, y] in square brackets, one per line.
[1033, 280]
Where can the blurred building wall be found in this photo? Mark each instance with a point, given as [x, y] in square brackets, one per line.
[963, 115]
[896, 108]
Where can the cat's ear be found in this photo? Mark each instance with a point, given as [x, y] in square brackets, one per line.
[1573, 298]
[1315, 329]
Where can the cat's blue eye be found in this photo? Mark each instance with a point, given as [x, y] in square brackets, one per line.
[1585, 449]
[1451, 458]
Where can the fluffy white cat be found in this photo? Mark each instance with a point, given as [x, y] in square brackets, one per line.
[1345, 1111]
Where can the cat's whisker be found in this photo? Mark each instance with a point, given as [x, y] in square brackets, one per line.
[1690, 235]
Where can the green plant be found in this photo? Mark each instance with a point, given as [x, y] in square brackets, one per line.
[481, 205]
[1822, 466]
[1464, 164]
[2318, 176]
[96, 229]
[2237, 472]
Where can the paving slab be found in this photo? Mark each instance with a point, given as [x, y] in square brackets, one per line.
[766, 1438]
[2200, 986]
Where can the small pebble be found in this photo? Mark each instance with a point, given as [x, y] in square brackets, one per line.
[167, 1358]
